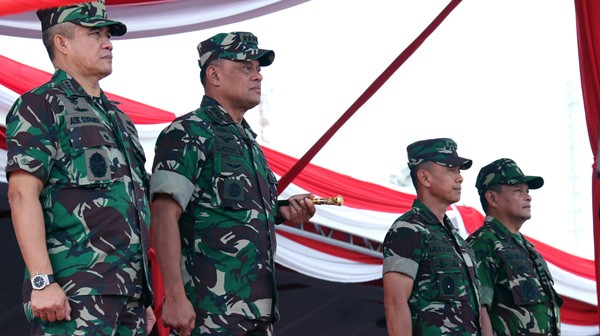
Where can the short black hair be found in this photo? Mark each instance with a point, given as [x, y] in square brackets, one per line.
[413, 172]
[484, 203]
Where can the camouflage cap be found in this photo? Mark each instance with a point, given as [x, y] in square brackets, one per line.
[441, 151]
[87, 14]
[235, 46]
[504, 171]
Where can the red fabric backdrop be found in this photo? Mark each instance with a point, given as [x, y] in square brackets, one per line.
[588, 30]
[588, 36]
[8, 7]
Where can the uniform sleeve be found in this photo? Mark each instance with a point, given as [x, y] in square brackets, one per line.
[31, 138]
[178, 160]
[403, 248]
[485, 266]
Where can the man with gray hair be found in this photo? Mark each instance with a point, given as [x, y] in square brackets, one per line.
[78, 188]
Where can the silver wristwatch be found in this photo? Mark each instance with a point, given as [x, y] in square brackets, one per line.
[40, 281]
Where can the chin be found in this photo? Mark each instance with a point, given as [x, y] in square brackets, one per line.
[104, 74]
[252, 103]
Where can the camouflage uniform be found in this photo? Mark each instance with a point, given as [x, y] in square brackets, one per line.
[517, 286]
[216, 171]
[98, 315]
[445, 296]
[444, 299]
[87, 154]
[94, 200]
[516, 283]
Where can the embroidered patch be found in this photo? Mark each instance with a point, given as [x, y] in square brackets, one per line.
[82, 119]
[97, 165]
[448, 285]
[529, 290]
[227, 149]
[234, 190]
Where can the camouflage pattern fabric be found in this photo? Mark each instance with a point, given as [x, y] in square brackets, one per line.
[236, 326]
[87, 154]
[236, 46]
[445, 296]
[441, 151]
[504, 171]
[218, 174]
[87, 14]
[108, 315]
[517, 286]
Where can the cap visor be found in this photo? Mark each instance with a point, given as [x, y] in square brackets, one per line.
[265, 57]
[466, 164]
[533, 182]
[116, 28]
[457, 161]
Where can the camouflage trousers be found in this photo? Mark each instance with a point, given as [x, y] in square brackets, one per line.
[108, 315]
[220, 325]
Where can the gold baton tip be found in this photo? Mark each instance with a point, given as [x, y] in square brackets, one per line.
[337, 200]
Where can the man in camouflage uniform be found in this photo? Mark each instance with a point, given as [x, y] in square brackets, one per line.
[214, 202]
[429, 280]
[516, 286]
[78, 188]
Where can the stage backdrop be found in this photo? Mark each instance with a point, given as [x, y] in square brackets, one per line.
[321, 249]
[575, 278]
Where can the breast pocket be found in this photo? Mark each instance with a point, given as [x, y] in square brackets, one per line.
[232, 183]
[94, 159]
[523, 282]
[448, 279]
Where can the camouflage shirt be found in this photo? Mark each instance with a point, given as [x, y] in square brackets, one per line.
[516, 283]
[217, 172]
[444, 299]
[94, 200]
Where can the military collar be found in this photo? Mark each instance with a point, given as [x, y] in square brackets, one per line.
[502, 231]
[71, 87]
[429, 216]
[217, 113]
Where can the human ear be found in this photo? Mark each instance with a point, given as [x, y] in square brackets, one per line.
[423, 177]
[212, 75]
[490, 196]
[60, 44]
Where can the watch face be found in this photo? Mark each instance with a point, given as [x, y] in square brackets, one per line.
[38, 282]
